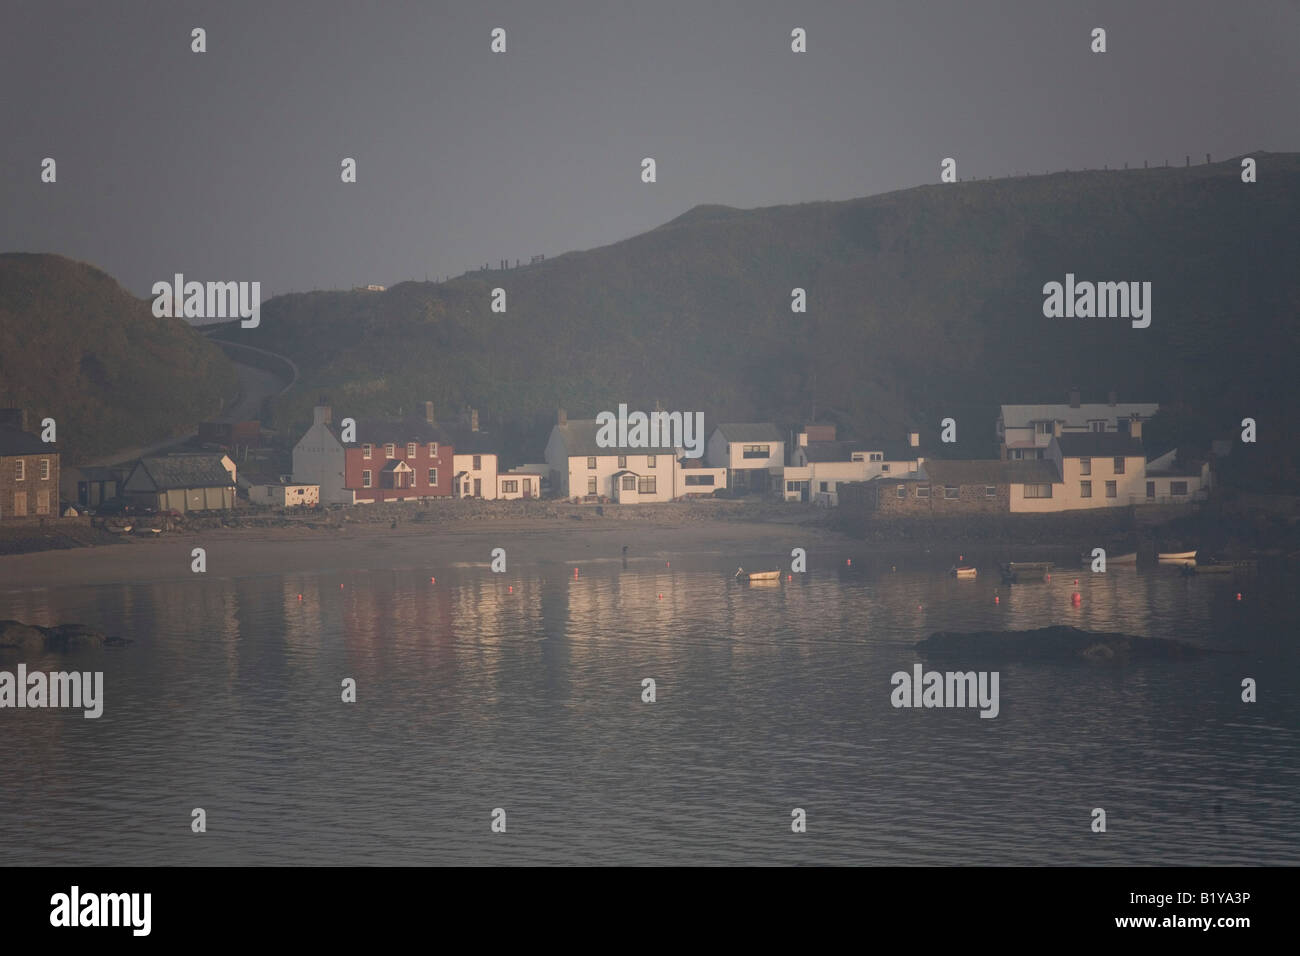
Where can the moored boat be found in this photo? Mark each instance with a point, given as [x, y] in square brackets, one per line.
[963, 572]
[1131, 558]
[1176, 555]
[743, 575]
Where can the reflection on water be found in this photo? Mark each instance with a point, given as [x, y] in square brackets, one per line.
[523, 691]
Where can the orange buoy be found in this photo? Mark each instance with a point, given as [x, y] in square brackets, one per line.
[1049, 577]
[575, 572]
[1238, 595]
[512, 589]
[996, 599]
[299, 597]
[661, 597]
[1076, 597]
[848, 562]
[789, 577]
[961, 557]
[668, 564]
[433, 580]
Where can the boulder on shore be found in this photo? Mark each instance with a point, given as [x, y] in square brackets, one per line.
[62, 638]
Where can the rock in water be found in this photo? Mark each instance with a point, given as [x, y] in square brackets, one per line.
[61, 639]
[1053, 644]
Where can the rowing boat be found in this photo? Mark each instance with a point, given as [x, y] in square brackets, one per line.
[1124, 559]
[743, 575]
[963, 572]
[1176, 555]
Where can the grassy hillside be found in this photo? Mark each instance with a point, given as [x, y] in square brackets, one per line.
[77, 347]
[921, 304]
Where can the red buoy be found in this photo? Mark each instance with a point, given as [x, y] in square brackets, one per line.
[1238, 595]
[996, 599]
[299, 597]
[1076, 597]
[848, 562]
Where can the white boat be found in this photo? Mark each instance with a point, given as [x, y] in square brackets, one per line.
[1124, 559]
[1176, 555]
[963, 572]
[743, 575]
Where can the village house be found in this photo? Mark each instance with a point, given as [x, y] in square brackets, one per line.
[581, 468]
[820, 463]
[91, 485]
[518, 483]
[475, 462]
[1025, 431]
[753, 454]
[182, 483]
[390, 459]
[947, 487]
[29, 470]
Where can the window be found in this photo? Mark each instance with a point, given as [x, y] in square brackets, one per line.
[650, 461]
[884, 468]
[365, 478]
[646, 486]
[1112, 490]
[433, 477]
[1097, 425]
[901, 491]
[923, 491]
[990, 491]
[877, 456]
[622, 461]
[1043, 428]
[949, 491]
[1085, 466]
[591, 462]
[478, 462]
[1178, 488]
[390, 451]
[43, 502]
[1085, 489]
[45, 469]
[858, 456]
[1151, 489]
[699, 479]
[410, 449]
[20, 470]
[509, 487]
[591, 486]
[792, 486]
[756, 451]
[629, 482]
[1038, 491]
[433, 449]
[1119, 466]
[366, 450]
[825, 486]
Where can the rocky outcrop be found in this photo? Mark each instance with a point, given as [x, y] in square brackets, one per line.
[1053, 644]
[60, 639]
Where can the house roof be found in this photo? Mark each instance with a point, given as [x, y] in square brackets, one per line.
[751, 432]
[185, 471]
[1019, 416]
[13, 441]
[466, 441]
[894, 449]
[974, 471]
[398, 431]
[579, 436]
[97, 473]
[396, 465]
[834, 450]
[1100, 445]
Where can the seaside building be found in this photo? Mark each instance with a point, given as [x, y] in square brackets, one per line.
[286, 494]
[182, 483]
[1025, 431]
[29, 470]
[753, 454]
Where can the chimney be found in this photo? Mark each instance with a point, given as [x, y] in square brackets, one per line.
[473, 419]
[1135, 426]
[914, 438]
[1056, 428]
[561, 417]
[321, 415]
[1074, 396]
[1113, 398]
[428, 413]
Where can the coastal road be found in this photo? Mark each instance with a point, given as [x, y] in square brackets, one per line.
[256, 384]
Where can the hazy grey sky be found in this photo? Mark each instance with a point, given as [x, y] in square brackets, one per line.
[225, 165]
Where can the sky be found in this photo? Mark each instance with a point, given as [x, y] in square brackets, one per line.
[225, 165]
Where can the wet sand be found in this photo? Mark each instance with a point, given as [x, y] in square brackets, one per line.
[243, 552]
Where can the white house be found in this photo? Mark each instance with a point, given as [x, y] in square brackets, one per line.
[753, 453]
[1025, 431]
[580, 468]
[517, 483]
[474, 464]
[285, 495]
[819, 463]
[319, 459]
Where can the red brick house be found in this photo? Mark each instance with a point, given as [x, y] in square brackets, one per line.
[397, 460]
